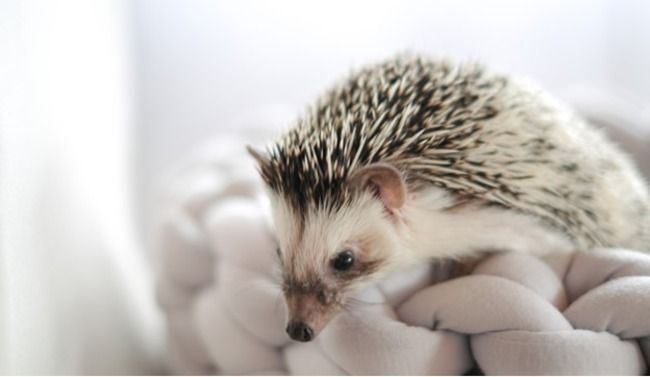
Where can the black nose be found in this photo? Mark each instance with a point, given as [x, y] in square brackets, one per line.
[300, 331]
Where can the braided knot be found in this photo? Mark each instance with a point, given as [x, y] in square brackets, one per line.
[218, 285]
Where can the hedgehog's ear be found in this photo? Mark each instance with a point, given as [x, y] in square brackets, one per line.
[259, 156]
[385, 181]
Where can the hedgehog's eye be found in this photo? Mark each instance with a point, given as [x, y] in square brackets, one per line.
[343, 261]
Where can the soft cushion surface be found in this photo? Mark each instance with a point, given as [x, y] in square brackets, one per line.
[218, 284]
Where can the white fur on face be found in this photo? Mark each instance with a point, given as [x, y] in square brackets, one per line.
[309, 245]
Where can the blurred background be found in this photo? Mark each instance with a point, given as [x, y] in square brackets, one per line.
[99, 98]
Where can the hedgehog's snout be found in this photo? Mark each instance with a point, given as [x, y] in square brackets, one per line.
[309, 313]
[300, 331]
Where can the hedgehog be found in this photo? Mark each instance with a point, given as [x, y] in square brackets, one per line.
[417, 159]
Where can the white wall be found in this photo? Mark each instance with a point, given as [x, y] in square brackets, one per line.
[75, 294]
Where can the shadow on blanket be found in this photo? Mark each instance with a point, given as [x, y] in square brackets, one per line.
[585, 313]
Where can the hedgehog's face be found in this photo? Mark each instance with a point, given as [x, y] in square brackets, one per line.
[326, 255]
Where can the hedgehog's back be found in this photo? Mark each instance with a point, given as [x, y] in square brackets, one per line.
[398, 112]
[474, 133]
